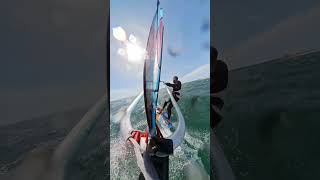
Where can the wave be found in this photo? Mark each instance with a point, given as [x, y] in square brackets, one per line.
[194, 105]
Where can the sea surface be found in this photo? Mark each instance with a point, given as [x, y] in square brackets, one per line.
[44, 134]
[194, 104]
[271, 128]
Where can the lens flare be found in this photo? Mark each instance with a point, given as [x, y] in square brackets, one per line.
[132, 38]
[119, 33]
[121, 52]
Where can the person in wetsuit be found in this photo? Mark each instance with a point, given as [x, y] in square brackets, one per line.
[175, 93]
[219, 82]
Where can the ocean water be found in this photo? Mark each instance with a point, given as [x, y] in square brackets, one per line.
[44, 134]
[194, 104]
[271, 128]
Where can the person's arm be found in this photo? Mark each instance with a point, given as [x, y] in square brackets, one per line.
[170, 85]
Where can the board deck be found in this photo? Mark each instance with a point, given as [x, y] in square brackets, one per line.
[162, 118]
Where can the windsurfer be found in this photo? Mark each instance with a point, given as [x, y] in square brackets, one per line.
[219, 78]
[175, 93]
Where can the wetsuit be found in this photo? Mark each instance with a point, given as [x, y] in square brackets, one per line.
[176, 95]
[219, 82]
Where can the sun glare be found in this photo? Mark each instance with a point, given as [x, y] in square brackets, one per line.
[135, 52]
[130, 47]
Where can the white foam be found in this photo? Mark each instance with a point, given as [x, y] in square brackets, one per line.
[118, 116]
[120, 157]
[195, 142]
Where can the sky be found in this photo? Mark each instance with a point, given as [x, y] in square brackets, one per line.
[250, 32]
[185, 35]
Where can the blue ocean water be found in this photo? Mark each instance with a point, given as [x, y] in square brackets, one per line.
[271, 125]
[194, 104]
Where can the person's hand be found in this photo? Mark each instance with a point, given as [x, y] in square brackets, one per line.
[167, 83]
[163, 82]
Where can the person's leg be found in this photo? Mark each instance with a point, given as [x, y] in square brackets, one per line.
[164, 105]
[170, 106]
